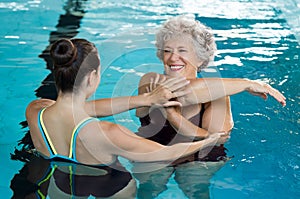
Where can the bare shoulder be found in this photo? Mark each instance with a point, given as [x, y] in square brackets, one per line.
[198, 81]
[40, 103]
[146, 77]
[112, 128]
[150, 74]
[37, 105]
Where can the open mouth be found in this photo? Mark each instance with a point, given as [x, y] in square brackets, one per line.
[176, 67]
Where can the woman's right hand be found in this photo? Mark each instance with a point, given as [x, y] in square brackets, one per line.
[211, 140]
[224, 137]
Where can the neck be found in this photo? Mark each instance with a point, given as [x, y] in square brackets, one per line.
[70, 101]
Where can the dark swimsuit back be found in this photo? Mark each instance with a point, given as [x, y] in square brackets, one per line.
[115, 179]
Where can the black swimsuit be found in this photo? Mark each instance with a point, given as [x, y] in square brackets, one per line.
[72, 179]
[113, 180]
[116, 177]
[156, 128]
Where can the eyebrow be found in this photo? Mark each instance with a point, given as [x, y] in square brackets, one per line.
[176, 47]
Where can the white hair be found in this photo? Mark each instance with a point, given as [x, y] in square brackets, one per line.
[180, 26]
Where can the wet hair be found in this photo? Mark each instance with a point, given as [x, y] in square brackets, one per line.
[72, 61]
[181, 26]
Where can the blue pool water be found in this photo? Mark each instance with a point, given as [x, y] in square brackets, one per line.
[257, 39]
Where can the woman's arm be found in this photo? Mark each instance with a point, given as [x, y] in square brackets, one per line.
[217, 116]
[159, 95]
[205, 90]
[183, 126]
[209, 89]
[186, 128]
[133, 147]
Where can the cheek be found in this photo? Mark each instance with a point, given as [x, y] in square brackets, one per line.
[193, 60]
[99, 80]
[165, 58]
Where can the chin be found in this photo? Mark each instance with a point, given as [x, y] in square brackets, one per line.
[173, 73]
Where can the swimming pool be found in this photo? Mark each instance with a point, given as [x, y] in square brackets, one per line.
[256, 39]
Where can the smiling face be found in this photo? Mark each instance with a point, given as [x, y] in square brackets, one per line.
[179, 57]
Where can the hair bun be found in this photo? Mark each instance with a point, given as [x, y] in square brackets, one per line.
[63, 53]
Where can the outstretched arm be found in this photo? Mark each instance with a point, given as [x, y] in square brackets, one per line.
[159, 95]
[209, 89]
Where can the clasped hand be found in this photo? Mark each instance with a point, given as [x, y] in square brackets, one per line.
[162, 90]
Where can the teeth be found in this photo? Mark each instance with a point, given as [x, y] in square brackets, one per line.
[176, 67]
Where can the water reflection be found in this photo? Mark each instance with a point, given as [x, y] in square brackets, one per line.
[41, 178]
[67, 27]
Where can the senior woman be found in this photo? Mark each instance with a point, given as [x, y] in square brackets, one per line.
[186, 46]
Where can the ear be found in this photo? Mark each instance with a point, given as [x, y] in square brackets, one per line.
[199, 66]
[92, 77]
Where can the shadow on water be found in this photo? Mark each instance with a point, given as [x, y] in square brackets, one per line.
[67, 27]
[41, 178]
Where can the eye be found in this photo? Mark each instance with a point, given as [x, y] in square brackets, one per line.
[182, 50]
[168, 51]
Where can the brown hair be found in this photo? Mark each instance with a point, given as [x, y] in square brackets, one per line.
[73, 60]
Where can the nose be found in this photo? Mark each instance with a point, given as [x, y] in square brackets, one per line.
[174, 56]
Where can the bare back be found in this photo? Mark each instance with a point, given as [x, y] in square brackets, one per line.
[60, 135]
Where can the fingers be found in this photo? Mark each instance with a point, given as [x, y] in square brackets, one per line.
[172, 103]
[181, 93]
[212, 139]
[156, 80]
[262, 95]
[151, 85]
[174, 84]
[275, 93]
[262, 89]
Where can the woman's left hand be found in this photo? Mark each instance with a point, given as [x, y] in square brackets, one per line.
[262, 89]
[162, 90]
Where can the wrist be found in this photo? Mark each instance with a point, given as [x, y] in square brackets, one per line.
[249, 84]
[172, 115]
[146, 99]
[139, 101]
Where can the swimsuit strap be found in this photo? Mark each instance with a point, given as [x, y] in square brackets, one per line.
[45, 134]
[47, 139]
[78, 127]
